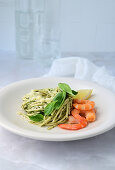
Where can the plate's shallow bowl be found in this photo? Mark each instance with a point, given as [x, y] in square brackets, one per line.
[11, 99]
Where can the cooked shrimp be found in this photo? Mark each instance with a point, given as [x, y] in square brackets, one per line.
[80, 119]
[83, 104]
[72, 120]
[71, 126]
[82, 122]
[89, 114]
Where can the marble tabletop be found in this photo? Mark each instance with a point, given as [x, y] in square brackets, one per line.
[89, 154]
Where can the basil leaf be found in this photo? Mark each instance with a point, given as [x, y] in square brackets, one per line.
[64, 96]
[36, 118]
[60, 97]
[65, 87]
[74, 92]
[49, 108]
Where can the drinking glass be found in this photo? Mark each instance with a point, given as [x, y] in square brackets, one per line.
[38, 29]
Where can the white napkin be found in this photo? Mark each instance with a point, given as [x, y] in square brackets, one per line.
[82, 68]
[17, 152]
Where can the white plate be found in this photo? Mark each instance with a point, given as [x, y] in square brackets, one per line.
[11, 99]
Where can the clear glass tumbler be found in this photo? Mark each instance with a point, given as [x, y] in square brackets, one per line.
[49, 44]
[38, 29]
[29, 20]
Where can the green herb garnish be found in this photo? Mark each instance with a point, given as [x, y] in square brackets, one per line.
[49, 108]
[36, 118]
[65, 87]
[74, 92]
[60, 97]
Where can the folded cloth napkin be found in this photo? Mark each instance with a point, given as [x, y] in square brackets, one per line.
[17, 152]
[83, 69]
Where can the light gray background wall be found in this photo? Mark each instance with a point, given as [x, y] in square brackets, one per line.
[87, 25]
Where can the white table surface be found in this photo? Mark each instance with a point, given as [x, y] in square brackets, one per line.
[89, 154]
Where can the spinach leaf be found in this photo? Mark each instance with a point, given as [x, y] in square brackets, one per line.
[49, 108]
[36, 118]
